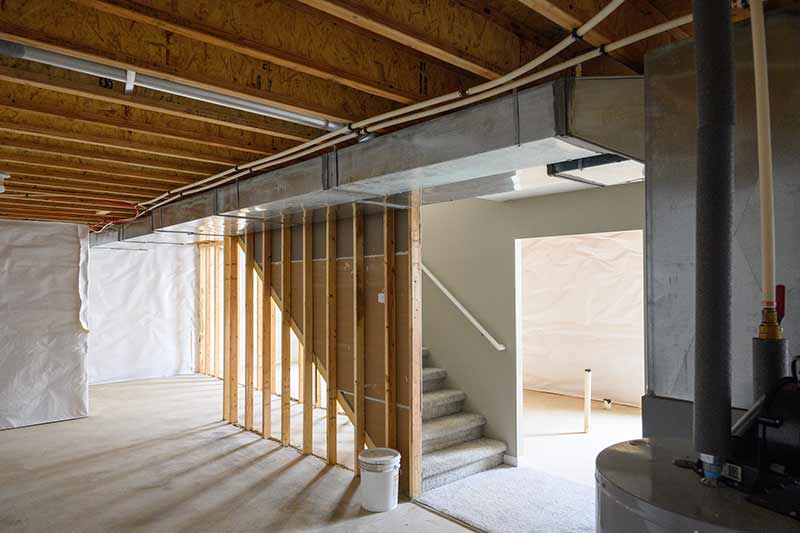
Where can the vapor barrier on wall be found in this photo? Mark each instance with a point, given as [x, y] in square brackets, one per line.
[43, 335]
[582, 307]
[143, 312]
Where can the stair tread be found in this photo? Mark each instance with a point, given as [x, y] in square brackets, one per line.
[451, 424]
[453, 457]
[442, 396]
[430, 373]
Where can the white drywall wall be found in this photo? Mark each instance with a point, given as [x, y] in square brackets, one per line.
[470, 246]
[582, 307]
[143, 313]
[43, 338]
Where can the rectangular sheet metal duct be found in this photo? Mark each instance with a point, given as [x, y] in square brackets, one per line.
[468, 153]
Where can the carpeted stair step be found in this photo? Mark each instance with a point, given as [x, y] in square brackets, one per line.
[456, 462]
[442, 402]
[433, 379]
[426, 356]
[450, 430]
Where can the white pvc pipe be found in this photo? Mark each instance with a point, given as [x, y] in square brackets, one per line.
[587, 399]
[467, 314]
[765, 182]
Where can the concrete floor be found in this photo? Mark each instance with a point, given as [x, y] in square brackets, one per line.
[344, 435]
[554, 441]
[154, 456]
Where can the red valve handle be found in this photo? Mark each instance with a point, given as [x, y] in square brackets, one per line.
[780, 301]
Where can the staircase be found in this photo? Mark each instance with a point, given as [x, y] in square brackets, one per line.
[453, 445]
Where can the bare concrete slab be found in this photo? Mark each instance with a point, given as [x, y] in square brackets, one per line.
[155, 456]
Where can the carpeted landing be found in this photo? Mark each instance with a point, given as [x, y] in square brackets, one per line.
[516, 500]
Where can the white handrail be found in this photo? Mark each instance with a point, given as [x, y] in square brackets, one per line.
[478, 326]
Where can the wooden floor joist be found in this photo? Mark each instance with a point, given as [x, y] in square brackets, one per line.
[286, 334]
[359, 405]
[268, 332]
[308, 334]
[249, 394]
[389, 342]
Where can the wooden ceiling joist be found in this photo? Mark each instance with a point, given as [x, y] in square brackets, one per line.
[77, 109]
[631, 17]
[72, 219]
[110, 142]
[112, 40]
[76, 165]
[69, 148]
[133, 194]
[438, 28]
[38, 191]
[83, 85]
[17, 169]
[39, 203]
[300, 40]
[53, 211]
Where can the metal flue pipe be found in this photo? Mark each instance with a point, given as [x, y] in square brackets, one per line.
[716, 109]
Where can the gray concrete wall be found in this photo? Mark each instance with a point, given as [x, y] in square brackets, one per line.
[469, 246]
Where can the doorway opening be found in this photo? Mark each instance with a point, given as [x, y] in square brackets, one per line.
[580, 337]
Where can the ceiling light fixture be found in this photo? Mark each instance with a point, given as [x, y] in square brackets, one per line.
[3, 177]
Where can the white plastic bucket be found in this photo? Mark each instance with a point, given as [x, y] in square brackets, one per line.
[380, 477]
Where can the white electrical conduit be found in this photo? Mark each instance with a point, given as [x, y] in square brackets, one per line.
[131, 78]
[467, 314]
[765, 182]
[333, 137]
[305, 148]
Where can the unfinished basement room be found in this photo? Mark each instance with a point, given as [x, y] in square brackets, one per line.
[500, 266]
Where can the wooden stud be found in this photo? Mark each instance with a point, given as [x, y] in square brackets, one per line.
[273, 347]
[330, 340]
[268, 332]
[358, 334]
[286, 333]
[207, 310]
[389, 334]
[259, 320]
[415, 344]
[201, 314]
[226, 327]
[248, 331]
[234, 330]
[217, 336]
[308, 334]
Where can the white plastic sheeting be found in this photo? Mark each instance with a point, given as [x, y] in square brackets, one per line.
[43, 335]
[582, 307]
[143, 312]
